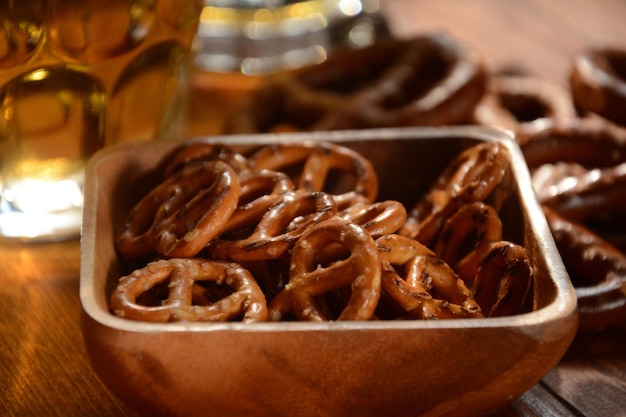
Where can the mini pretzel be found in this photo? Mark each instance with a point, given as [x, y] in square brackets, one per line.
[589, 142]
[588, 195]
[514, 101]
[271, 238]
[380, 218]
[197, 151]
[309, 279]
[471, 176]
[597, 82]
[181, 215]
[245, 301]
[503, 279]
[466, 237]
[597, 270]
[259, 191]
[313, 163]
[433, 80]
[429, 80]
[429, 288]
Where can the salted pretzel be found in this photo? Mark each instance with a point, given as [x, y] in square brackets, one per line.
[431, 80]
[503, 279]
[590, 142]
[588, 195]
[260, 189]
[360, 271]
[466, 238]
[471, 176]
[178, 217]
[421, 283]
[597, 270]
[597, 82]
[379, 218]
[270, 237]
[512, 102]
[179, 277]
[196, 151]
[311, 164]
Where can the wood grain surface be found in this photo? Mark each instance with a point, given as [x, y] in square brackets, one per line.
[44, 370]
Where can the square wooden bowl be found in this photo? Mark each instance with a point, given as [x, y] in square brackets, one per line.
[457, 367]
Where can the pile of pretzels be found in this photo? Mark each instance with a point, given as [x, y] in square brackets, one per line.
[574, 139]
[294, 231]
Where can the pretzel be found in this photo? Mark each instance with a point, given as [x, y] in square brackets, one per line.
[313, 163]
[503, 279]
[378, 219]
[308, 280]
[244, 301]
[429, 80]
[589, 194]
[515, 101]
[590, 142]
[597, 270]
[455, 245]
[471, 176]
[597, 83]
[271, 238]
[181, 215]
[196, 151]
[260, 189]
[430, 289]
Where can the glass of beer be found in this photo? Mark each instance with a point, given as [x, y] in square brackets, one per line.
[75, 76]
[241, 42]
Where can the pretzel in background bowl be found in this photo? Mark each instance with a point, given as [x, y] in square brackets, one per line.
[429, 80]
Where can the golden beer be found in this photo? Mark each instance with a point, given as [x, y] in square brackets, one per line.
[75, 76]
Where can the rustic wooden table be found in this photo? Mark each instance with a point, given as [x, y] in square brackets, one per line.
[44, 370]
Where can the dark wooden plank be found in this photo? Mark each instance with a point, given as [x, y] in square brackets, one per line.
[592, 375]
[537, 402]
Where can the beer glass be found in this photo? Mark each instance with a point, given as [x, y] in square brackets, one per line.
[75, 76]
[240, 42]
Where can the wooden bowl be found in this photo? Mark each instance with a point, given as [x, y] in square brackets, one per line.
[335, 369]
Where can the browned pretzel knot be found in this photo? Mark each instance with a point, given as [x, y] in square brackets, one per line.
[598, 82]
[309, 280]
[244, 300]
[514, 101]
[466, 238]
[259, 190]
[312, 163]
[471, 176]
[380, 218]
[429, 80]
[588, 195]
[202, 151]
[591, 142]
[503, 279]
[269, 236]
[597, 270]
[181, 215]
[421, 283]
